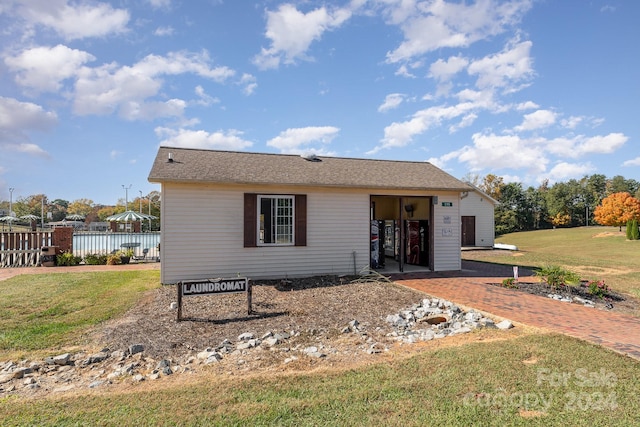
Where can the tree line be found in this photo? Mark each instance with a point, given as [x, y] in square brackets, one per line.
[58, 209]
[563, 204]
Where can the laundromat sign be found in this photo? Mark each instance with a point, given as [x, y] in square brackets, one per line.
[204, 287]
[214, 286]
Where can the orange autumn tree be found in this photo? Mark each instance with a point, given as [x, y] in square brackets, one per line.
[617, 209]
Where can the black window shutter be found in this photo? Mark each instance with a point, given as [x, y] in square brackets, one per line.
[301, 220]
[250, 219]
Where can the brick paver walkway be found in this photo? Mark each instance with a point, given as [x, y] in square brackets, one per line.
[613, 330]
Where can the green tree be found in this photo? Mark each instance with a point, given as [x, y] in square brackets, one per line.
[81, 207]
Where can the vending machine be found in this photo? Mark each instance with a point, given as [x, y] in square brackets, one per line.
[417, 244]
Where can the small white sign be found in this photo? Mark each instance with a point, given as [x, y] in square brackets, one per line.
[446, 219]
[447, 232]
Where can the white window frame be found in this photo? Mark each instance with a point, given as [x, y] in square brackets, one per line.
[275, 234]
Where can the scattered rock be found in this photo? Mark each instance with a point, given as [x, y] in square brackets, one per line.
[136, 348]
[435, 318]
[246, 336]
[504, 325]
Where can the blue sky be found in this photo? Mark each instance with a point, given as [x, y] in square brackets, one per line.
[524, 89]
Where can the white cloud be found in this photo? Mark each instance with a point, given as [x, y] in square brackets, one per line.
[572, 122]
[632, 162]
[400, 134]
[580, 145]
[496, 152]
[537, 120]
[504, 69]
[74, 20]
[109, 88]
[31, 149]
[527, 105]
[230, 139]
[563, 171]
[43, 69]
[299, 140]
[403, 71]
[428, 26]
[160, 4]
[205, 99]
[444, 70]
[391, 101]
[163, 31]
[17, 120]
[249, 83]
[466, 121]
[291, 33]
[17, 116]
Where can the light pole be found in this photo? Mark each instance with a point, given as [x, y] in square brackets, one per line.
[140, 201]
[149, 200]
[10, 205]
[42, 212]
[126, 196]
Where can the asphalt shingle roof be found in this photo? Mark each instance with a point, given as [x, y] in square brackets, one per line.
[211, 166]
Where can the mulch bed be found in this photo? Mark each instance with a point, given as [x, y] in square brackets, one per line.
[315, 308]
[611, 301]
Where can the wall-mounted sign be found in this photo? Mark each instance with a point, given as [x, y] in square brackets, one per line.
[446, 219]
[449, 204]
[447, 232]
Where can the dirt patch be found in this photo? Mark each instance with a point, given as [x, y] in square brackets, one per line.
[608, 234]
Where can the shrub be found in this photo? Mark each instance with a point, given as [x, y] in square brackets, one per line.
[114, 259]
[556, 276]
[628, 230]
[509, 283]
[635, 233]
[95, 259]
[67, 259]
[597, 288]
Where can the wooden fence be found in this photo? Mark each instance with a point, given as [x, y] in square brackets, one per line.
[23, 249]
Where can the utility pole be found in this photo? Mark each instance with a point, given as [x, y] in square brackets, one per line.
[140, 201]
[126, 196]
[10, 206]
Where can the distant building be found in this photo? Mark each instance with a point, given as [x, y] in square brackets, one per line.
[477, 219]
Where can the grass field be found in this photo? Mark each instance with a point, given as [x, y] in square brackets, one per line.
[528, 378]
[41, 312]
[593, 252]
[532, 380]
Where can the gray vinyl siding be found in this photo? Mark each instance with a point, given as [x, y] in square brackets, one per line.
[202, 235]
[446, 234]
[480, 206]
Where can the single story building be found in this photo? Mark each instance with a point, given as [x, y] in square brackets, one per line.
[262, 216]
[477, 217]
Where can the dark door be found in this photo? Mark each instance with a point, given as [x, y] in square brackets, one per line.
[468, 231]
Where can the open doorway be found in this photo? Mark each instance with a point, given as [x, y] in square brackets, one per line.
[401, 233]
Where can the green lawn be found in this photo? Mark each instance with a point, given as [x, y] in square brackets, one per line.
[532, 380]
[593, 252]
[39, 312]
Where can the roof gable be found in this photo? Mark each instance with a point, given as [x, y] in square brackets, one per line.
[229, 167]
